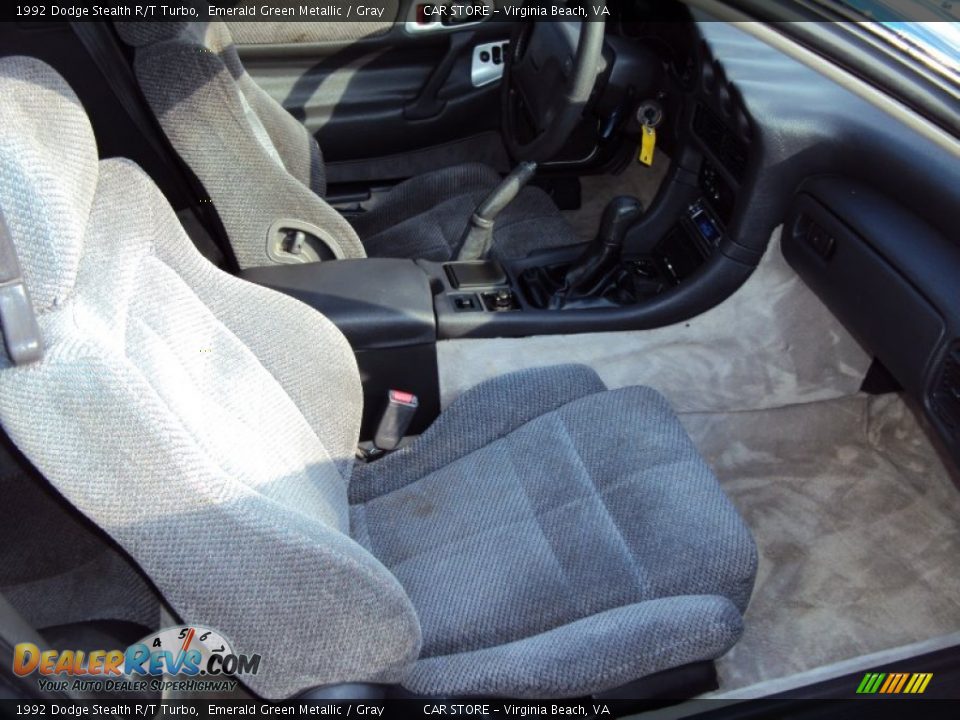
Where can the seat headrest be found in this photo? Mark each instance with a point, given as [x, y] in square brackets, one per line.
[212, 35]
[48, 175]
[140, 34]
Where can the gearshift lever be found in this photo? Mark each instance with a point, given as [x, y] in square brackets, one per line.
[603, 252]
[478, 237]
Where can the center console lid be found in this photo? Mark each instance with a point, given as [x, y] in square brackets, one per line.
[376, 302]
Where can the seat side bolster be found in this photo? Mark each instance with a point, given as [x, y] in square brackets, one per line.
[306, 354]
[200, 109]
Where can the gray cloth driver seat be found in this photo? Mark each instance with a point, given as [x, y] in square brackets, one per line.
[545, 537]
[260, 165]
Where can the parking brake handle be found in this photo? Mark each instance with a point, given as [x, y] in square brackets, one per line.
[478, 235]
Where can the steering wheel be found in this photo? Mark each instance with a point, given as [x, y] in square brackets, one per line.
[549, 73]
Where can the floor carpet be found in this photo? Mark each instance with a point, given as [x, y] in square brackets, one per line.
[772, 343]
[857, 521]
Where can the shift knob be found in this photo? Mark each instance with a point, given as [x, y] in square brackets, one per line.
[619, 214]
[603, 252]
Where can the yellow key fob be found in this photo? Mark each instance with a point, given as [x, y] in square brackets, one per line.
[648, 141]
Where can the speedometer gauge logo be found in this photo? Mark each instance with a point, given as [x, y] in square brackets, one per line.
[183, 657]
[191, 650]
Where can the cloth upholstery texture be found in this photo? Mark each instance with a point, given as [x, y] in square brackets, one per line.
[49, 552]
[230, 495]
[543, 559]
[227, 131]
[259, 164]
[543, 537]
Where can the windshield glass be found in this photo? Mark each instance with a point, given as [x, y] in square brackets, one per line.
[940, 39]
[929, 28]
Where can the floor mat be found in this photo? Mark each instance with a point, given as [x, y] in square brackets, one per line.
[858, 525]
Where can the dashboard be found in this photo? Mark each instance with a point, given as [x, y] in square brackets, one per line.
[866, 202]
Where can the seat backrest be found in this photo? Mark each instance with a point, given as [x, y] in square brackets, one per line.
[257, 162]
[206, 424]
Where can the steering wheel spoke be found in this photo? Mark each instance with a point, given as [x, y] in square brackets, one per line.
[549, 75]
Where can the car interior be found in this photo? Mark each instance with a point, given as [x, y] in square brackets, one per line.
[460, 358]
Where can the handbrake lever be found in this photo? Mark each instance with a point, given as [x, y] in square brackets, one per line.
[478, 235]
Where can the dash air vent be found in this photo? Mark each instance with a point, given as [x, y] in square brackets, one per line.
[730, 150]
[945, 400]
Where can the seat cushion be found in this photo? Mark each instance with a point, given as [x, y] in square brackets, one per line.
[425, 217]
[556, 537]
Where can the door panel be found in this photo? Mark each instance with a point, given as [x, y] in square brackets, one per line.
[298, 33]
[384, 105]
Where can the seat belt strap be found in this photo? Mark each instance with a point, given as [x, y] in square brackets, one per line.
[21, 335]
[110, 60]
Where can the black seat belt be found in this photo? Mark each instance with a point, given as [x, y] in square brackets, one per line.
[110, 60]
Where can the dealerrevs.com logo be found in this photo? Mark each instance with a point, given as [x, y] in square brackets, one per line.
[177, 658]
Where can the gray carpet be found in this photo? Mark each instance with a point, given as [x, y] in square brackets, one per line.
[772, 343]
[858, 525]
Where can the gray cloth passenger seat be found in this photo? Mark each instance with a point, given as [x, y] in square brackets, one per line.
[545, 537]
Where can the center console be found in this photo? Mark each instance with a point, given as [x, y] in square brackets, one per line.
[611, 285]
[635, 277]
[393, 311]
[384, 307]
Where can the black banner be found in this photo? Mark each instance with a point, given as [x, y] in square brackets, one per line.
[712, 709]
[447, 12]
